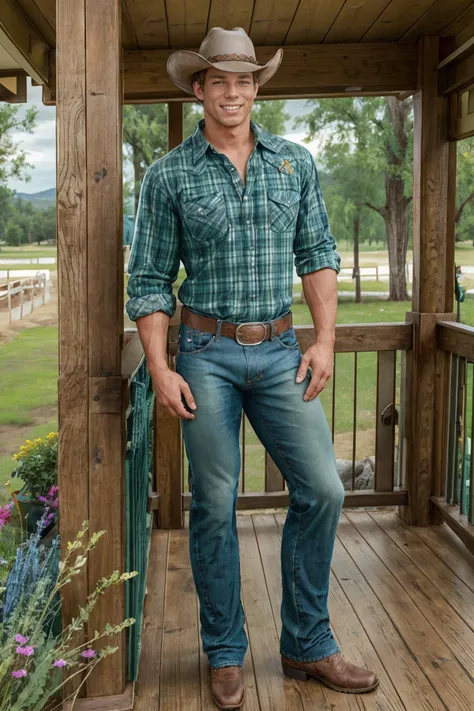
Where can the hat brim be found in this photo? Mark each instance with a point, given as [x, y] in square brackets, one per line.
[183, 63]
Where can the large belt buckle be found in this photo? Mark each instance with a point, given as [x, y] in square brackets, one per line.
[250, 323]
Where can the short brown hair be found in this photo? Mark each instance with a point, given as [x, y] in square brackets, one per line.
[200, 77]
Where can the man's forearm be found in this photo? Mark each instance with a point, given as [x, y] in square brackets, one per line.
[153, 332]
[320, 291]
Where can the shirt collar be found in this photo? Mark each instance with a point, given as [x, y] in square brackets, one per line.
[200, 143]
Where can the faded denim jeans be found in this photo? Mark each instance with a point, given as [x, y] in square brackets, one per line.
[226, 377]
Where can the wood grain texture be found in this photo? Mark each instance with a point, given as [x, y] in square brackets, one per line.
[312, 21]
[456, 338]
[175, 124]
[439, 16]
[105, 320]
[385, 433]
[452, 628]
[41, 22]
[73, 381]
[22, 41]
[353, 20]
[457, 521]
[273, 478]
[187, 22]
[148, 21]
[396, 19]
[271, 21]
[445, 674]
[229, 14]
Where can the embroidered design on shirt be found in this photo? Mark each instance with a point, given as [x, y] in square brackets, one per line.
[288, 167]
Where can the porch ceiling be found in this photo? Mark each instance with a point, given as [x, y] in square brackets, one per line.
[173, 24]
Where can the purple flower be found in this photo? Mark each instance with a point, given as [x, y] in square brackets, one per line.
[43, 499]
[59, 663]
[5, 513]
[20, 639]
[88, 654]
[53, 491]
[19, 673]
[25, 651]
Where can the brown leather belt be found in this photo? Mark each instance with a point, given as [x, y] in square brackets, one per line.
[250, 333]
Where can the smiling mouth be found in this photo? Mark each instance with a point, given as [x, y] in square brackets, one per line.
[231, 108]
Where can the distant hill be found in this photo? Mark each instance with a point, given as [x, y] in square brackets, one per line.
[43, 199]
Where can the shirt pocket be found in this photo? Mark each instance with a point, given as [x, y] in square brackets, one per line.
[205, 216]
[284, 207]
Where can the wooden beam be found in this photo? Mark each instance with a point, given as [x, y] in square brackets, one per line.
[462, 52]
[175, 124]
[118, 702]
[22, 41]
[460, 75]
[306, 71]
[91, 431]
[13, 89]
[456, 521]
[279, 499]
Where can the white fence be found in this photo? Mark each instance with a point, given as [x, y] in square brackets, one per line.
[22, 295]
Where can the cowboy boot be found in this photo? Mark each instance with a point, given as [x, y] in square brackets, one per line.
[227, 687]
[333, 671]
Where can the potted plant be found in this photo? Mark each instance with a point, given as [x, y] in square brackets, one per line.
[37, 472]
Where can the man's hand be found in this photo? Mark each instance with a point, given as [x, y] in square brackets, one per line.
[320, 357]
[168, 387]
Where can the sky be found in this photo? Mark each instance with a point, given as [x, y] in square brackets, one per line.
[40, 145]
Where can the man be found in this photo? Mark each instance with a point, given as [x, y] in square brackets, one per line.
[234, 203]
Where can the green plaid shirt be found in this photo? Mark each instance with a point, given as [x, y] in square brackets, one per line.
[236, 242]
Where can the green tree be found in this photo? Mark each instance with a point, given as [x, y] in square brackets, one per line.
[14, 236]
[465, 190]
[271, 115]
[368, 142]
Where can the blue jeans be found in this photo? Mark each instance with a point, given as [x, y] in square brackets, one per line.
[226, 377]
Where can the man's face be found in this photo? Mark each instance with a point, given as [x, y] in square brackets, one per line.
[227, 97]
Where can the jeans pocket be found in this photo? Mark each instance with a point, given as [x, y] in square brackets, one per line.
[287, 339]
[192, 341]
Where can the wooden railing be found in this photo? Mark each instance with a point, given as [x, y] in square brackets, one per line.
[387, 344]
[455, 425]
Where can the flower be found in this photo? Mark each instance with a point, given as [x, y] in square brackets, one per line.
[89, 654]
[25, 651]
[20, 639]
[59, 663]
[5, 513]
[18, 673]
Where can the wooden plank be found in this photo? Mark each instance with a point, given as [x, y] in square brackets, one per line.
[39, 21]
[13, 89]
[105, 319]
[280, 499]
[456, 338]
[187, 22]
[168, 479]
[405, 674]
[396, 19]
[462, 28]
[439, 16]
[273, 477]
[175, 124]
[452, 588]
[451, 627]
[48, 9]
[457, 521]
[384, 431]
[446, 545]
[117, 702]
[73, 382]
[307, 70]
[312, 21]
[274, 690]
[353, 20]
[23, 43]
[443, 671]
[268, 531]
[179, 678]
[148, 20]
[458, 54]
[148, 685]
[271, 21]
[229, 14]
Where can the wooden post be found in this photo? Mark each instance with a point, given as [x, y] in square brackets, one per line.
[434, 176]
[175, 124]
[90, 285]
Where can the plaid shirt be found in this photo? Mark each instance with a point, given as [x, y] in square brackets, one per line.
[236, 242]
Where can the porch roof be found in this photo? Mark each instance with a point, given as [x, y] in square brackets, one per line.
[312, 30]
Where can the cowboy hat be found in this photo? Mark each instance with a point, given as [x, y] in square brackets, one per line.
[227, 50]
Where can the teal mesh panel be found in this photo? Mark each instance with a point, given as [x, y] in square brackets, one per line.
[138, 472]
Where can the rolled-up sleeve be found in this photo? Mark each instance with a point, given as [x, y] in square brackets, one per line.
[154, 257]
[314, 245]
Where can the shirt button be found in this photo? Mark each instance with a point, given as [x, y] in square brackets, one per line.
[245, 197]
[249, 221]
[253, 296]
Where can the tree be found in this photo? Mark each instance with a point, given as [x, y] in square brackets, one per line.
[464, 219]
[271, 116]
[370, 139]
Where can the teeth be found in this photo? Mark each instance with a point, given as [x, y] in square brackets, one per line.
[231, 108]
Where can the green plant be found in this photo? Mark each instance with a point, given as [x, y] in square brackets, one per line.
[38, 464]
[36, 665]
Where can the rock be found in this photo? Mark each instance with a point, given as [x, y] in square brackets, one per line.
[363, 473]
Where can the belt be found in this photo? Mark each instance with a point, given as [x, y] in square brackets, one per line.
[250, 333]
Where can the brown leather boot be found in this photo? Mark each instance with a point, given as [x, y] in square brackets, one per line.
[334, 671]
[227, 687]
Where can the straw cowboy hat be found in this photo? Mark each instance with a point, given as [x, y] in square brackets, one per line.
[227, 50]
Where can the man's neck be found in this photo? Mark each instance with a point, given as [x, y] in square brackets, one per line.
[232, 139]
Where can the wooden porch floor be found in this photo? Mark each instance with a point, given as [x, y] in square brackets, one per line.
[401, 603]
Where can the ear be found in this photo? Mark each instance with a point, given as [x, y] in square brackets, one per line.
[198, 92]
